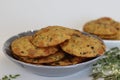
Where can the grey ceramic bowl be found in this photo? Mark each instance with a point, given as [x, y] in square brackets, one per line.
[112, 43]
[53, 71]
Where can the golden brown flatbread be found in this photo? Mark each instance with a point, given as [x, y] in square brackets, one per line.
[23, 47]
[103, 27]
[83, 46]
[48, 59]
[52, 36]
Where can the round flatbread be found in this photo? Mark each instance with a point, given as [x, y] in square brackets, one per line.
[67, 61]
[102, 26]
[83, 46]
[52, 36]
[48, 59]
[23, 47]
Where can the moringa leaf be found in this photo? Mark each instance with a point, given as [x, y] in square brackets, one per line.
[10, 77]
[108, 67]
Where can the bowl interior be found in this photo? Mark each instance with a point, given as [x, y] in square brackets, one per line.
[45, 70]
[8, 51]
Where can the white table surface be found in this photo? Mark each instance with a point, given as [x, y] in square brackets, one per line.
[21, 15]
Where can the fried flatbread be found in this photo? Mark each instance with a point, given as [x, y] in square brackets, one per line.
[103, 26]
[52, 36]
[23, 47]
[83, 46]
[48, 59]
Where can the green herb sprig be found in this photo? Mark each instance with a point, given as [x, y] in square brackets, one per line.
[108, 67]
[10, 77]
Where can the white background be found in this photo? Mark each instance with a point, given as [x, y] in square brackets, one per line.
[21, 15]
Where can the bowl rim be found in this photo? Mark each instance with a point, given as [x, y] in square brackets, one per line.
[111, 41]
[34, 65]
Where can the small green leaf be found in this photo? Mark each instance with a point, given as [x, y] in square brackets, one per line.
[108, 67]
[10, 77]
[14, 76]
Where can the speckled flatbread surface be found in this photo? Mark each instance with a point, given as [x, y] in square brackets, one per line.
[23, 47]
[52, 35]
[83, 46]
[104, 27]
[48, 59]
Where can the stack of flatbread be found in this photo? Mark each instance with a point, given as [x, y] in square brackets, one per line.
[57, 46]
